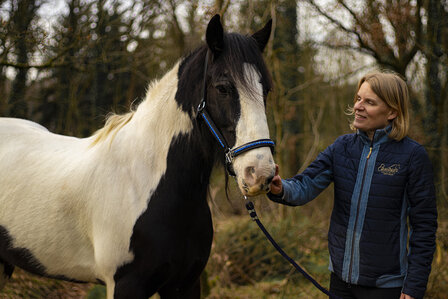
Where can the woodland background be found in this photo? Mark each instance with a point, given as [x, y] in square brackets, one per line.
[67, 64]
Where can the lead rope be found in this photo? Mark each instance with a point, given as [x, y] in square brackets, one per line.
[253, 214]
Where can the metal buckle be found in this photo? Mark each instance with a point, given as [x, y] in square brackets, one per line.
[201, 106]
[229, 156]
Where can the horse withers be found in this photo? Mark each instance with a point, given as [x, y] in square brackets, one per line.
[127, 206]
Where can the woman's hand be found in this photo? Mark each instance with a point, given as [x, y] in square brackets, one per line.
[276, 184]
[404, 296]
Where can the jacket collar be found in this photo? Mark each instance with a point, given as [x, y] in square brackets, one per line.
[380, 136]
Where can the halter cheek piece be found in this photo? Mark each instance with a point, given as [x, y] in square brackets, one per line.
[229, 153]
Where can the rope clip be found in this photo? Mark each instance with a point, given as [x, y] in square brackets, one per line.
[250, 208]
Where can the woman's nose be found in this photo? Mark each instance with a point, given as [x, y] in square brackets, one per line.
[358, 105]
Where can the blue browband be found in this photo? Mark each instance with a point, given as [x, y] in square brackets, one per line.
[230, 153]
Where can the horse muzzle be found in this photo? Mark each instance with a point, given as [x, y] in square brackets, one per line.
[254, 180]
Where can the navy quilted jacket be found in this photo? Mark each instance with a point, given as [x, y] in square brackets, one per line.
[377, 186]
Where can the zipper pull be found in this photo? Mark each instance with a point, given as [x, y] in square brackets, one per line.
[371, 145]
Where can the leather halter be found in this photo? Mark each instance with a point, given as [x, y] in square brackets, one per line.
[230, 154]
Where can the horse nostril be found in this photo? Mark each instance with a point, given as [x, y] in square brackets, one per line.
[269, 180]
[250, 171]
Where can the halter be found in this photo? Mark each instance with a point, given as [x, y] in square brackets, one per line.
[230, 154]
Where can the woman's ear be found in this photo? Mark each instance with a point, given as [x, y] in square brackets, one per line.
[392, 114]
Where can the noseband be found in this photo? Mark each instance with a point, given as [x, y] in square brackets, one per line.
[230, 153]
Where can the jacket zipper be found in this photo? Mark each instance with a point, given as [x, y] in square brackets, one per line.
[358, 207]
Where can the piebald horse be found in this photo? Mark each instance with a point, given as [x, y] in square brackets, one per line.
[127, 206]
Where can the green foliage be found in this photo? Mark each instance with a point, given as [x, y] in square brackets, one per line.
[242, 255]
[97, 292]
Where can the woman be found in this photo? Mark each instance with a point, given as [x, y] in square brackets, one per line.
[381, 179]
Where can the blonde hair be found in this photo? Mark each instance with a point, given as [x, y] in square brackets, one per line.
[393, 90]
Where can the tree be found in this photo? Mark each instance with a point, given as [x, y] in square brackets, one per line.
[22, 15]
[434, 48]
[62, 90]
[389, 31]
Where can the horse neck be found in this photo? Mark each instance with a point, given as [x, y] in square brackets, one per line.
[160, 128]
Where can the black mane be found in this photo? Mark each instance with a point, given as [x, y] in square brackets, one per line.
[238, 49]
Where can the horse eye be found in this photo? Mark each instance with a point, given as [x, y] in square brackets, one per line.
[223, 89]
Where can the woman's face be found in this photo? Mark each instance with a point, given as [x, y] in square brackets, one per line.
[371, 113]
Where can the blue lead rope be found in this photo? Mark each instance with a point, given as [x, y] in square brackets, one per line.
[253, 214]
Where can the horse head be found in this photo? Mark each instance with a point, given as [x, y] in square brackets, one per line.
[235, 89]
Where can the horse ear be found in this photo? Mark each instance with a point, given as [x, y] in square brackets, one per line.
[262, 36]
[215, 35]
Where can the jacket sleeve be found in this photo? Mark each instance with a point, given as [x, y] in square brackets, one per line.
[423, 223]
[304, 187]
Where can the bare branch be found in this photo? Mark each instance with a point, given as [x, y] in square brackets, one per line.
[347, 47]
[223, 9]
[315, 123]
[364, 47]
[352, 13]
[51, 63]
[333, 20]
[302, 86]
[351, 73]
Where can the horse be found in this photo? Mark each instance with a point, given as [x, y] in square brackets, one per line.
[127, 207]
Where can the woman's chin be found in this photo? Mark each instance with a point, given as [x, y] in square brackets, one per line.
[358, 125]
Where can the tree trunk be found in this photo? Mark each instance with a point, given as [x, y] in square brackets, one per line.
[23, 15]
[434, 121]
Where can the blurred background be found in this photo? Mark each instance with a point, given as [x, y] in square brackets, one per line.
[67, 63]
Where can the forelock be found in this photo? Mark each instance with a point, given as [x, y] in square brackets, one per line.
[240, 50]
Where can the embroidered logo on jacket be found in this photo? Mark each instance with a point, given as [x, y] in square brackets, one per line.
[391, 170]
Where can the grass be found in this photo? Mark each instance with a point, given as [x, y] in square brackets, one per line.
[26, 286]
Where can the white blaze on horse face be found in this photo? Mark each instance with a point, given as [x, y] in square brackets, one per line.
[255, 168]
